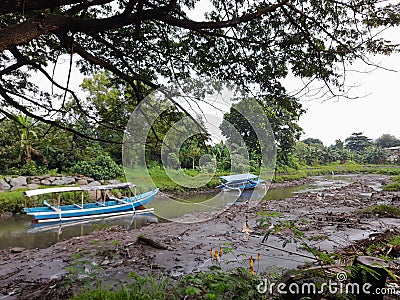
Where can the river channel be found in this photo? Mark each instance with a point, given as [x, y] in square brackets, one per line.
[17, 231]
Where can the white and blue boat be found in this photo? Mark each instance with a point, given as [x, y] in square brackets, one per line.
[239, 181]
[105, 205]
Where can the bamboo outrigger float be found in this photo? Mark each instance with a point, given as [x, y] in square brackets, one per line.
[107, 205]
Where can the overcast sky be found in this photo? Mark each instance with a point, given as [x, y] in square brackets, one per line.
[375, 112]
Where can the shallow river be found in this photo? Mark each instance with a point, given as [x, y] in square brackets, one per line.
[18, 231]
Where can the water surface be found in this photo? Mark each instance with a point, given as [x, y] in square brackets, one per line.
[17, 231]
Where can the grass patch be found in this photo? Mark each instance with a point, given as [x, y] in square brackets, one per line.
[394, 240]
[216, 284]
[174, 180]
[380, 248]
[12, 201]
[382, 210]
[321, 237]
[392, 187]
[289, 177]
[350, 168]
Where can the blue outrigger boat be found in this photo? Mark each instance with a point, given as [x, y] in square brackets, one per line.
[239, 181]
[107, 206]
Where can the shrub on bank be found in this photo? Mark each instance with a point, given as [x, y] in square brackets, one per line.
[29, 169]
[100, 167]
[12, 201]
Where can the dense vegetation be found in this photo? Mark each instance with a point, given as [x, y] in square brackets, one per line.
[37, 148]
[29, 147]
[357, 147]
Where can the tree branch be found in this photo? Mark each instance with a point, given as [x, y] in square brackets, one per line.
[45, 24]
[108, 66]
[23, 6]
[193, 25]
[25, 111]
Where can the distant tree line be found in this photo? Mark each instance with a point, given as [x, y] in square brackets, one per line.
[357, 147]
[31, 147]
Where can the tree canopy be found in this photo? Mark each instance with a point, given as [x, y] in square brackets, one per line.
[387, 140]
[282, 122]
[357, 142]
[249, 44]
[312, 141]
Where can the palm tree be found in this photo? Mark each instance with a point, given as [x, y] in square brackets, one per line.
[27, 136]
[221, 155]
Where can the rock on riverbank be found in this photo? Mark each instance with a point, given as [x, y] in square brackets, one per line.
[33, 182]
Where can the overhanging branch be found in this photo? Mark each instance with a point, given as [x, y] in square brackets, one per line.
[57, 124]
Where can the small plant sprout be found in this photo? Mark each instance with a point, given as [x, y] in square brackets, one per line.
[258, 256]
[251, 261]
[220, 249]
[211, 252]
[216, 255]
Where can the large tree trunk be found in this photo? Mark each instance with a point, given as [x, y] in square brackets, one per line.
[27, 154]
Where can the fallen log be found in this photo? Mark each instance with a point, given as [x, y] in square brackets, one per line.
[148, 241]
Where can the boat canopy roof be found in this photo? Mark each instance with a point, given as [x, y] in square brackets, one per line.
[52, 190]
[107, 187]
[65, 189]
[238, 177]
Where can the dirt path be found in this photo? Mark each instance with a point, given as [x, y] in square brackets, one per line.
[111, 254]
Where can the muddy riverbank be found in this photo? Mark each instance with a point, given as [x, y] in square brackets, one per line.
[183, 246]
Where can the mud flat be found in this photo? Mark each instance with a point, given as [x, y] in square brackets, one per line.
[183, 246]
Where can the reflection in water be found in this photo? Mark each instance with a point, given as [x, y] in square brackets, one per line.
[19, 232]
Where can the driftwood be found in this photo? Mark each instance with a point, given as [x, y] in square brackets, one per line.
[147, 241]
[372, 271]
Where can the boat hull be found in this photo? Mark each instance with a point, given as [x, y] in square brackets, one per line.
[248, 185]
[112, 207]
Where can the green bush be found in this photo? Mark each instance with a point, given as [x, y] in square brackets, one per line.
[100, 167]
[29, 169]
[12, 201]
